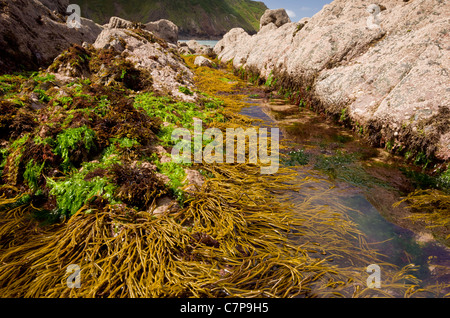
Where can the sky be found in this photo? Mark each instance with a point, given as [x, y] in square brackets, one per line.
[297, 9]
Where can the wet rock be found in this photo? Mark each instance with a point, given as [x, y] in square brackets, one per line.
[383, 78]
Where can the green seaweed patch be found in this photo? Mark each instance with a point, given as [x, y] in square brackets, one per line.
[70, 142]
[75, 192]
[176, 174]
[271, 81]
[14, 164]
[343, 139]
[344, 166]
[10, 84]
[185, 90]
[425, 181]
[3, 156]
[177, 113]
[297, 158]
[125, 142]
[91, 185]
[32, 174]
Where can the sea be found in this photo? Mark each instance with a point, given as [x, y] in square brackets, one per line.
[210, 43]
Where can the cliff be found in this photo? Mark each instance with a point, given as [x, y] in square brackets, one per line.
[382, 70]
[199, 19]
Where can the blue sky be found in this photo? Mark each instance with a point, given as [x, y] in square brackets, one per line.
[297, 9]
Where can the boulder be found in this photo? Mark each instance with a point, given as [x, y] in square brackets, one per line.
[278, 17]
[228, 46]
[33, 33]
[193, 47]
[164, 205]
[119, 23]
[202, 61]
[165, 29]
[391, 81]
[194, 181]
[167, 69]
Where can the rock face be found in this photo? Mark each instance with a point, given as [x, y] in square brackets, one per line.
[33, 33]
[150, 53]
[387, 74]
[277, 17]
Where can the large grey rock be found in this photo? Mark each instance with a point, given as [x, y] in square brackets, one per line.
[278, 17]
[168, 70]
[230, 46]
[392, 80]
[165, 29]
[33, 33]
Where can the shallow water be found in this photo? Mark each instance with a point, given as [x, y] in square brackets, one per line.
[368, 187]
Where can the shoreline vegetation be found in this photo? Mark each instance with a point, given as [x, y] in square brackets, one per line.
[81, 177]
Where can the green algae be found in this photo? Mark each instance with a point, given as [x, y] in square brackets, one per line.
[72, 139]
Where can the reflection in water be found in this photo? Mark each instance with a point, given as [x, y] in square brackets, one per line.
[349, 184]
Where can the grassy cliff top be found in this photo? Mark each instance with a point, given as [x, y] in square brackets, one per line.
[193, 17]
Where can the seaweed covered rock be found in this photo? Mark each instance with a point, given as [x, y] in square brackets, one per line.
[102, 67]
[148, 52]
[33, 33]
[386, 75]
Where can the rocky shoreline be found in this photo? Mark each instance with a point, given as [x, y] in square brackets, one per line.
[383, 73]
[87, 179]
[389, 81]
